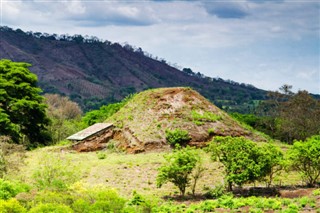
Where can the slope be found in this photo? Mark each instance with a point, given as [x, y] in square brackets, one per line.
[142, 122]
[93, 72]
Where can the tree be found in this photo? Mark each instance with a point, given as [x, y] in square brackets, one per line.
[22, 111]
[289, 116]
[305, 158]
[178, 168]
[65, 116]
[243, 160]
[299, 117]
[274, 159]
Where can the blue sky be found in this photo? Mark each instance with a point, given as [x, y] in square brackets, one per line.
[259, 42]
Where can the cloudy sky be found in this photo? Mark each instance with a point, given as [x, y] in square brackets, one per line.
[266, 43]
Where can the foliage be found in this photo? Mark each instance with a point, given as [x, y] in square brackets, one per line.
[299, 117]
[10, 189]
[215, 192]
[249, 119]
[50, 207]
[228, 203]
[104, 112]
[140, 203]
[178, 168]
[197, 173]
[55, 173]
[274, 159]
[22, 111]
[101, 155]
[305, 157]
[288, 116]
[177, 136]
[65, 117]
[11, 206]
[96, 199]
[199, 119]
[243, 160]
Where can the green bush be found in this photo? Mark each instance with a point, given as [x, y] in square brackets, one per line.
[10, 189]
[55, 197]
[305, 158]
[216, 192]
[101, 155]
[178, 168]
[11, 206]
[139, 203]
[177, 136]
[95, 199]
[243, 160]
[51, 207]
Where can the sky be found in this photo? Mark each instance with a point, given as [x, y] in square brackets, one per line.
[266, 43]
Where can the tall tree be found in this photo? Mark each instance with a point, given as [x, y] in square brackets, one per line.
[299, 117]
[22, 111]
[290, 116]
[244, 160]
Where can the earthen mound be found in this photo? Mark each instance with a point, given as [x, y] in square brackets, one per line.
[141, 124]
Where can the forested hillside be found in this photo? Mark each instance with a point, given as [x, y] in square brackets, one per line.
[94, 72]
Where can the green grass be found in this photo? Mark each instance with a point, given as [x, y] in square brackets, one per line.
[128, 174]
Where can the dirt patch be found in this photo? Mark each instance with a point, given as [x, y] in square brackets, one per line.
[295, 193]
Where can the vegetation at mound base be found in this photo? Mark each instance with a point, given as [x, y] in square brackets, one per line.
[145, 119]
[54, 180]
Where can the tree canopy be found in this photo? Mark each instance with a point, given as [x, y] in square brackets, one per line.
[244, 160]
[22, 111]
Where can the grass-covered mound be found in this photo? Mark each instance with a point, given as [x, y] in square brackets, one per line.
[146, 120]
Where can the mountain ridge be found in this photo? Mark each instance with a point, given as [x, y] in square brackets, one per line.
[94, 72]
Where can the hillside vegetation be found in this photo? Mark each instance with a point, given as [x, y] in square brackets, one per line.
[94, 72]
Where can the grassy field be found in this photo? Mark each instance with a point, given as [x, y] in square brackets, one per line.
[126, 172]
[129, 174]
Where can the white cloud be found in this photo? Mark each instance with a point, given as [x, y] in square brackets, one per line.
[250, 41]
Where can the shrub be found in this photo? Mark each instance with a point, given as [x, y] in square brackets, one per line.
[216, 192]
[54, 197]
[51, 207]
[305, 158]
[244, 161]
[11, 206]
[10, 189]
[101, 155]
[178, 168]
[96, 199]
[177, 136]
